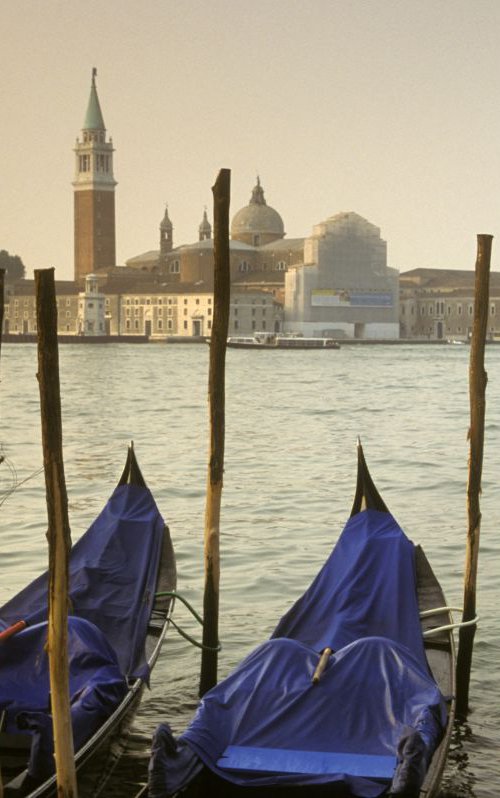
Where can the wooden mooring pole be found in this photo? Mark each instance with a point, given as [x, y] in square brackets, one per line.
[216, 399]
[58, 533]
[2, 286]
[477, 397]
[2, 305]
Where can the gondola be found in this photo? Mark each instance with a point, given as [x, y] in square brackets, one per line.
[116, 627]
[351, 696]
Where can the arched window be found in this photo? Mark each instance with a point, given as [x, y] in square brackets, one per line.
[244, 266]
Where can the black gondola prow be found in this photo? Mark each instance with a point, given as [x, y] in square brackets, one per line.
[367, 496]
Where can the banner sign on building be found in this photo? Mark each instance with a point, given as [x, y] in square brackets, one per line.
[329, 297]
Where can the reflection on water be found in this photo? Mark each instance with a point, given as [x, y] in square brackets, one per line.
[291, 428]
[459, 780]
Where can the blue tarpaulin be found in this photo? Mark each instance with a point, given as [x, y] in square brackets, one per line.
[256, 727]
[113, 571]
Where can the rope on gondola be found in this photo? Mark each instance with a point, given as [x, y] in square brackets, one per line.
[15, 483]
[173, 594]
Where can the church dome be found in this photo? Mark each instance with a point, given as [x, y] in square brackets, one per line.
[257, 223]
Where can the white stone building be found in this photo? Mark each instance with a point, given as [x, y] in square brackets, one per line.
[344, 288]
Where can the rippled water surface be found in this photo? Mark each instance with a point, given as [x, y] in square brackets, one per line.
[292, 419]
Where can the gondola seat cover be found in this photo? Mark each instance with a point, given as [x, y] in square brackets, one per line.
[376, 691]
[96, 687]
[112, 571]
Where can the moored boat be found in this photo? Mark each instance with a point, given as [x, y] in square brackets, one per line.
[116, 627]
[267, 340]
[351, 695]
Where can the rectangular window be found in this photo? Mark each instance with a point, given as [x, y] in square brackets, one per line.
[127, 324]
[136, 324]
[160, 324]
[185, 325]
[209, 324]
[492, 310]
[236, 325]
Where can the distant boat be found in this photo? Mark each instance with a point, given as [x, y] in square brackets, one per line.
[267, 340]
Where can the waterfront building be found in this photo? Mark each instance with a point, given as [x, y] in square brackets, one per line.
[438, 304]
[20, 308]
[258, 251]
[117, 305]
[94, 194]
[343, 288]
[90, 319]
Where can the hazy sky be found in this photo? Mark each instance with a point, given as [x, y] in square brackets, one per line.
[390, 108]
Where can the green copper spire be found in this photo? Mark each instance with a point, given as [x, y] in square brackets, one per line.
[93, 117]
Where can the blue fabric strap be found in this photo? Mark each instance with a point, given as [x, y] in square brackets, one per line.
[279, 760]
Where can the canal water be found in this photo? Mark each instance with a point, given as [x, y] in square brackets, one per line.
[292, 419]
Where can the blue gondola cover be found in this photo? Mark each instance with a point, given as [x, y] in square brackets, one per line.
[258, 725]
[113, 571]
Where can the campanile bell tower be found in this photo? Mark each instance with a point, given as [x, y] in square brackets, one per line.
[94, 193]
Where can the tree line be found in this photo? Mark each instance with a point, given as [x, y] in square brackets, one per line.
[13, 265]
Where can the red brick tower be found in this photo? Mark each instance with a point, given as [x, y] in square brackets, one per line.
[94, 192]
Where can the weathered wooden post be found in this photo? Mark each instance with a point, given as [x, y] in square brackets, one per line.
[58, 533]
[477, 397]
[2, 305]
[216, 399]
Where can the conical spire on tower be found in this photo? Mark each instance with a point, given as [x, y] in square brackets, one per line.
[166, 234]
[93, 118]
[205, 228]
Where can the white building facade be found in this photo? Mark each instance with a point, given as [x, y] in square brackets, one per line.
[344, 289]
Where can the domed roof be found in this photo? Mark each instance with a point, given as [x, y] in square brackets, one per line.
[257, 217]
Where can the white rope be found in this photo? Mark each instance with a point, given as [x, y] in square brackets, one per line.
[447, 627]
[438, 610]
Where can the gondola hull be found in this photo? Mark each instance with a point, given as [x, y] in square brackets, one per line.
[376, 721]
[109, 590]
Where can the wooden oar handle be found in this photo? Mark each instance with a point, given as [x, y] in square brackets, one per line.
[320, 667]
[12, 630]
